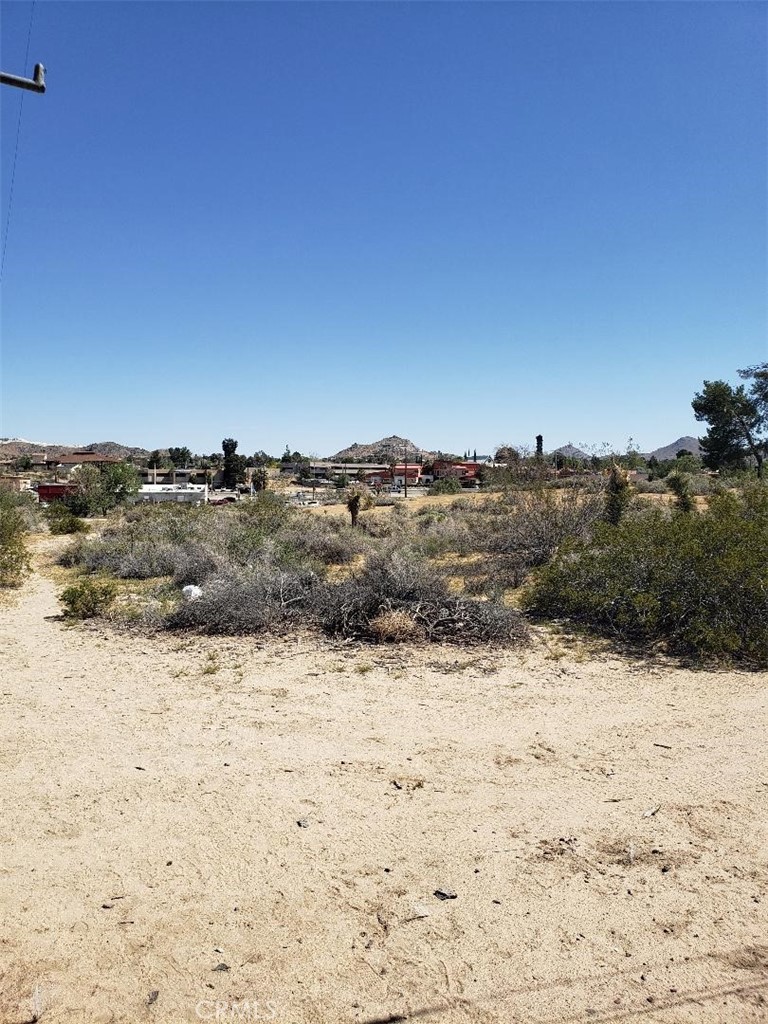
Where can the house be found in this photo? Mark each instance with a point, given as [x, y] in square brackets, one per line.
[395, 476]
[175, 476]
[55, 491]
[467, 473]
[192, 494]
[83, 457]
[15, 483]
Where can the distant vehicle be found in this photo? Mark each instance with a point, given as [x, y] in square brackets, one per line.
[228, 500]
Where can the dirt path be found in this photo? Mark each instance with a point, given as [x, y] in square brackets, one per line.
[152, 790]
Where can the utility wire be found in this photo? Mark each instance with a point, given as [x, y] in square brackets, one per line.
[16, 149]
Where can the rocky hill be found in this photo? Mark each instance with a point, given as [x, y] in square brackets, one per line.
[16, 447]
[669, 451]
[385, 450]
[570, 451]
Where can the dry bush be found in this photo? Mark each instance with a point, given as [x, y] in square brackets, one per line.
[402, 582]
[330, 541]
[248, 601]
[395, 627]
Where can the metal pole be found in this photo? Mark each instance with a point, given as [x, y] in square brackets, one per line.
[405, 474]
[36, 84]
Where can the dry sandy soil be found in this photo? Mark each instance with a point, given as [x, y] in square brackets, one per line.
[202, 830]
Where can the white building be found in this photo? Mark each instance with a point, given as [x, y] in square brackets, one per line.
[195, 494]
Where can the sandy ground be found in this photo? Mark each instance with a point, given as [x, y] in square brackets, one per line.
[201, 830]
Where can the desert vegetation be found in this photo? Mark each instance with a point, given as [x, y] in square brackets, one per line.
[690, 578]
[15, 516]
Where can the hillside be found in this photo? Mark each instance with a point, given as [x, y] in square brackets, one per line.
[670, 451]
[385, 450]
[16, 447]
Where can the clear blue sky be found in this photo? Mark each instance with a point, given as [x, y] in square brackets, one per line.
[313, 224]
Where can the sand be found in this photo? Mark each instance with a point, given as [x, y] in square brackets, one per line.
[196, 829]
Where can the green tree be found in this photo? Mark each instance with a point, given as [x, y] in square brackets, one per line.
[759, 389]
[632, 458]
[507, 455]
[102, 488]
[736, 424]
[180, 457]
[680, 485]
[155, 460]
[234, 465]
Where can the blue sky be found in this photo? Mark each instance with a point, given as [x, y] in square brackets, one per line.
[313, 224]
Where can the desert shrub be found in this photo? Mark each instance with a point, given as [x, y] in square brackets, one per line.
[395, 627]
[446, 485]
[248, 601]
[266, 511]
[404, 583]
[529, 526]
[14, 557]
[326, 540]
[680, 485]
[651, 487]
[127, 558]
[68, 523]
[194, 563]
[443, 531]
[617, 494]
[696, 582]
[88, 598]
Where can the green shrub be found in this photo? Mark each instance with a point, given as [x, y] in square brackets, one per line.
[14, 557]
[68, 523]
[88, 598]
[695, 581]
[446, 485]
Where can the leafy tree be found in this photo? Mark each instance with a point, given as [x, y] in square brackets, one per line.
[23, 464]
[302, 469]
[180, 457]
[102, 488]
[507, 455]
[234, 465]
[759, 390]
[736, 423]
[539, 447]
[259, 478]
[632, 458]
[155, 460]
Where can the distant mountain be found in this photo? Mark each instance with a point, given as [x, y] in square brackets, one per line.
[569, 451]
[120, 451]
[669, 451]
[385, 450]
[16, 447]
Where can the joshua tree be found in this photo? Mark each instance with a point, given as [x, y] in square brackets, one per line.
[618, 495]
[358, 498]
